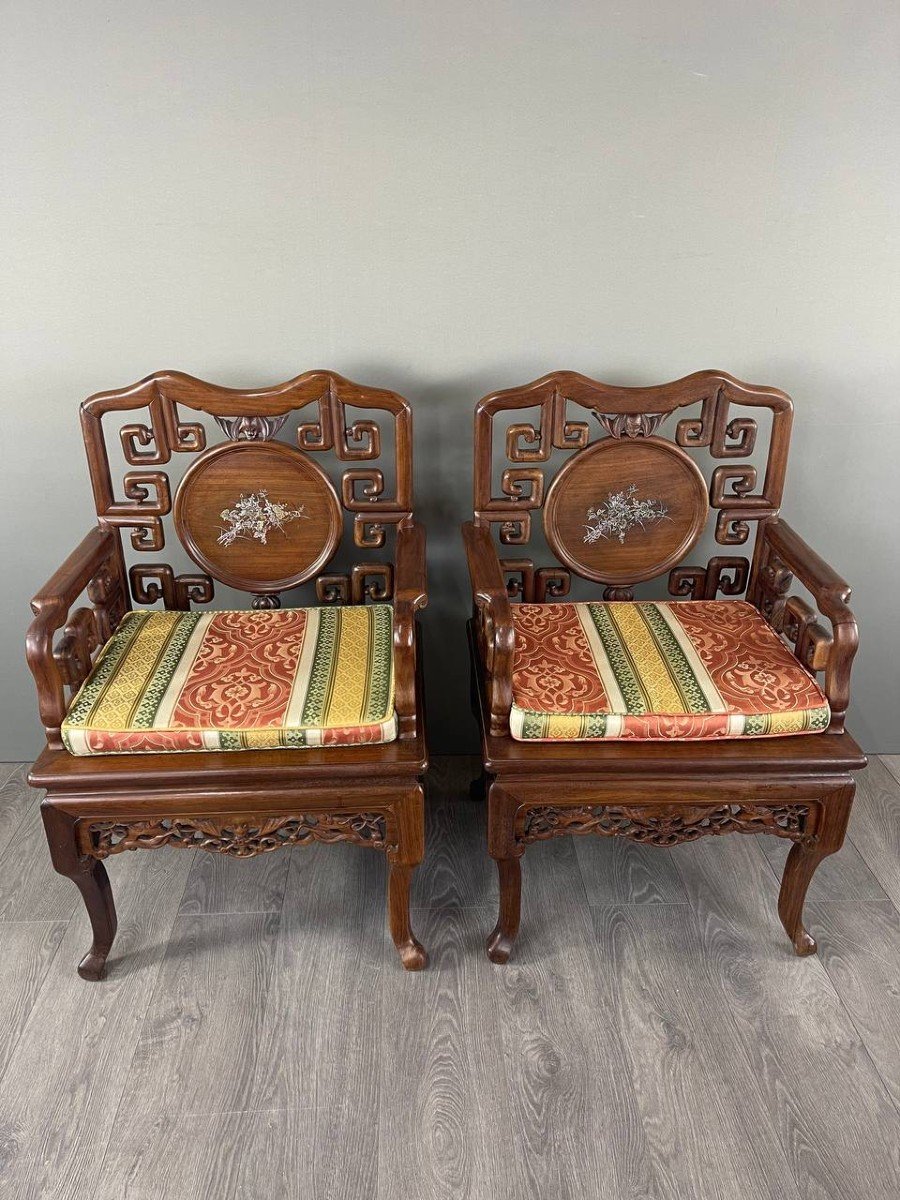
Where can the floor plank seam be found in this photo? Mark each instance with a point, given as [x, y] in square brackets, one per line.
[439, 908]
[236, 1112]
[233, 912]
[6, 921]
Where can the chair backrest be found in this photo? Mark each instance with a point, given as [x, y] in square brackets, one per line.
[636, 486]
[255, 511]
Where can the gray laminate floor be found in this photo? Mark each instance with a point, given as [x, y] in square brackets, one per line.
[256, 1036]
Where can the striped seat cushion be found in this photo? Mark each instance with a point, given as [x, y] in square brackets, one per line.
[654, 672]
[239, 681]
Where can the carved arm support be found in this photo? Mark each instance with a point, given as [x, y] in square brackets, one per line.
[784, 553]
[494, 623]
[410, 594]
[94, 565]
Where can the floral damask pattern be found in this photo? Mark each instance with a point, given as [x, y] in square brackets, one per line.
[243, 672]
[691, 670]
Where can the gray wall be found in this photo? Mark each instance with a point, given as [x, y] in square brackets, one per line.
[444, 198]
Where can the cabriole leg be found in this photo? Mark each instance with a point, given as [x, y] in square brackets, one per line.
[403, 860]
[90, 877]
[412, 953]
[500, 942]
[507, 854]
[802, 863]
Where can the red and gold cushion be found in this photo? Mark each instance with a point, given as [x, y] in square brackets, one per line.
[297, 677]
[657, 672]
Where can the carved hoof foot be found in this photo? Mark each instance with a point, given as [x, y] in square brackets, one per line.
[499, 947]
[93, 965]
[804, 944]
[413, 955]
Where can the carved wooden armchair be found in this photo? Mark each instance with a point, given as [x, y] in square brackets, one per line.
[657, 722]
[144, 711]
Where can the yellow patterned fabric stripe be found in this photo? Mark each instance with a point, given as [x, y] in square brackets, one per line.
[239, 681]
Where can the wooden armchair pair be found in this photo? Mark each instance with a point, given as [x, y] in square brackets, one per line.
[657, 722]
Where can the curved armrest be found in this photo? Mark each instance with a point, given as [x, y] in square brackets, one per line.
[831, 593]
[51, 609]
[493, 613]
[410, 594]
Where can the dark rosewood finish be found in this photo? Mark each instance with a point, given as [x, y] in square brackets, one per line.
[250, 802]
[799, 788]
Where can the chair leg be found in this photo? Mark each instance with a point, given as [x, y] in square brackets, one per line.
[802, 863]
[90, 877]
[402, 861]
[500, 942]
[412, 953]
[506, 853]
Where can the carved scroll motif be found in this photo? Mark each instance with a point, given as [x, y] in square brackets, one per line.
[89, 628]
[666, 825]
[106, 592]
[812, 642]
[358, 441]
[366, 581]
[725, 438]
[73, 653]
[154, 444]
[526, 443]
[237, 839]
[732, 487]
[535, 586]
[790, 616]
[723, 575]
[157, 581]
[773, 582]
[523, 487]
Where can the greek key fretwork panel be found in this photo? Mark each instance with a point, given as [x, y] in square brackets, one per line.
[527, 436]
[363, 437]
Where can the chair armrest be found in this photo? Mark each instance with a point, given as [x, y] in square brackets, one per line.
[493, 622]
[830, 592]
[84, 566]
[410, 594]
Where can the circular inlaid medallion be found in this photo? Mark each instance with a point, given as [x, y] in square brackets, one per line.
[259, 516]
[621, 512]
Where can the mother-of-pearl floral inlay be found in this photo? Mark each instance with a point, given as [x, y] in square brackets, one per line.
[255, 516]
[621, 512]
